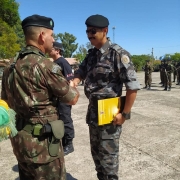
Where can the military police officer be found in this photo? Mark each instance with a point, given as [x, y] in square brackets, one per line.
[106, 67]
[30, 86]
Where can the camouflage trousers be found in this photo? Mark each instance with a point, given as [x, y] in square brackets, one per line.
[104, 142]
[54, 170]
[167, 80]
[148, 79]
[162, 74]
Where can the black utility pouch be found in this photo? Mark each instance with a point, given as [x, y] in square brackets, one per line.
[57, 134]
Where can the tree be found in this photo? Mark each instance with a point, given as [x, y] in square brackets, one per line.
[9, 11]
[81, 53]
[8, 39]
[176, 57]
[139, 60]
[89, 45]
[19, 32]
[68, 42]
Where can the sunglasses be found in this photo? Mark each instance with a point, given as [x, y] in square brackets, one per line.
[92, 31]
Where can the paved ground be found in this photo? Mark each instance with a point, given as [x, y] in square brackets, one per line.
[149, 144]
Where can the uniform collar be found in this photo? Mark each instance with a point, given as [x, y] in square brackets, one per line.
[105, 46]
[30, 47]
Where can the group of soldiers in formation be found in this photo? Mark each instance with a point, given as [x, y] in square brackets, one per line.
[167, 68]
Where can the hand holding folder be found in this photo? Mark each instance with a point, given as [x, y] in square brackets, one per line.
[108, 108]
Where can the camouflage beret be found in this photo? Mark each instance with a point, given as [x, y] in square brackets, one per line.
[39, 21]
[97, 21]
[58, 45]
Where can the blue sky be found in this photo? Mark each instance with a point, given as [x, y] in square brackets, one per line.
[140, 25]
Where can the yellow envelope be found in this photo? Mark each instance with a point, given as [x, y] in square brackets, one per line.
[108, 108]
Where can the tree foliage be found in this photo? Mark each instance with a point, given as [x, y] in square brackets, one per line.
[175, 57]
[139, 60]
[11, 34]
[8, 39]
[9, 11]
[68, 42]
[19, 33]
[80, 54]
[89, 45]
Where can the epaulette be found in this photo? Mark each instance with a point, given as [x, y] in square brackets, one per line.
[116, 47]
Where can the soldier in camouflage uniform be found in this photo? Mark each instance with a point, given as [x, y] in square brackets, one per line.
[178, 73]
[174, 71]
[30, 85]
[167, 75]
[148, 74]
[163, 69]
[106, 67]
[161, 73]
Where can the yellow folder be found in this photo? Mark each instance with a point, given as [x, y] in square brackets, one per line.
[108, 108]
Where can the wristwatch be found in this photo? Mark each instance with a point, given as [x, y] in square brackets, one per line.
[126, 115]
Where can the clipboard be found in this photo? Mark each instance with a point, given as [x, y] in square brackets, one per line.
[108, 108]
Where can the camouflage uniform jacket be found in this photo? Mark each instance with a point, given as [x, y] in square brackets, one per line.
[104, 71]
[31, 85]
[169, 68]
[148, 69]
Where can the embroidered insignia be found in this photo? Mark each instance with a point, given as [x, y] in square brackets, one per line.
[125, 59]
[55, 68]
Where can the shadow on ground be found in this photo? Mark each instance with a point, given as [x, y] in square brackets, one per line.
[15, 168]
[69, 176]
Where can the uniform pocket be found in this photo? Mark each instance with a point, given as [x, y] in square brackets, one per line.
[110, 132]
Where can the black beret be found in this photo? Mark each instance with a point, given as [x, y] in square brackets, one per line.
[97, 21]
[58, 45]
[147, 60]
[39, 21]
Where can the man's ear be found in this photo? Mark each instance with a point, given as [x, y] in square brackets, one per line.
[105, 30]
[42, 36]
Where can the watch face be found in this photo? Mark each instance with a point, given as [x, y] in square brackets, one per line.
[126, 115]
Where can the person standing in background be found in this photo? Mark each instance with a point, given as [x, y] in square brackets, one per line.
[64, 109]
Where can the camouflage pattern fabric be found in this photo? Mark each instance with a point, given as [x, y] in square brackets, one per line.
[167, 75]
[104, 142]
[148, 74]
[174, 70]
[104, 71]
[54, 170]
[178, 72]
[30, 88]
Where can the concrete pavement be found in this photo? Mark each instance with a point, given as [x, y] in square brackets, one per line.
[149, 143]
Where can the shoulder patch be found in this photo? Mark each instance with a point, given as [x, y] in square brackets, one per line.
[56, 68]
[125, 59]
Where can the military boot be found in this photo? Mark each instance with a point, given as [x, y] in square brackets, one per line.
[68, 148]
[165, 89]
[169, 89]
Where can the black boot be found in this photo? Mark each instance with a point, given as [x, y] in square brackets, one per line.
[165, 89]
[145, 87]
[68, 148]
